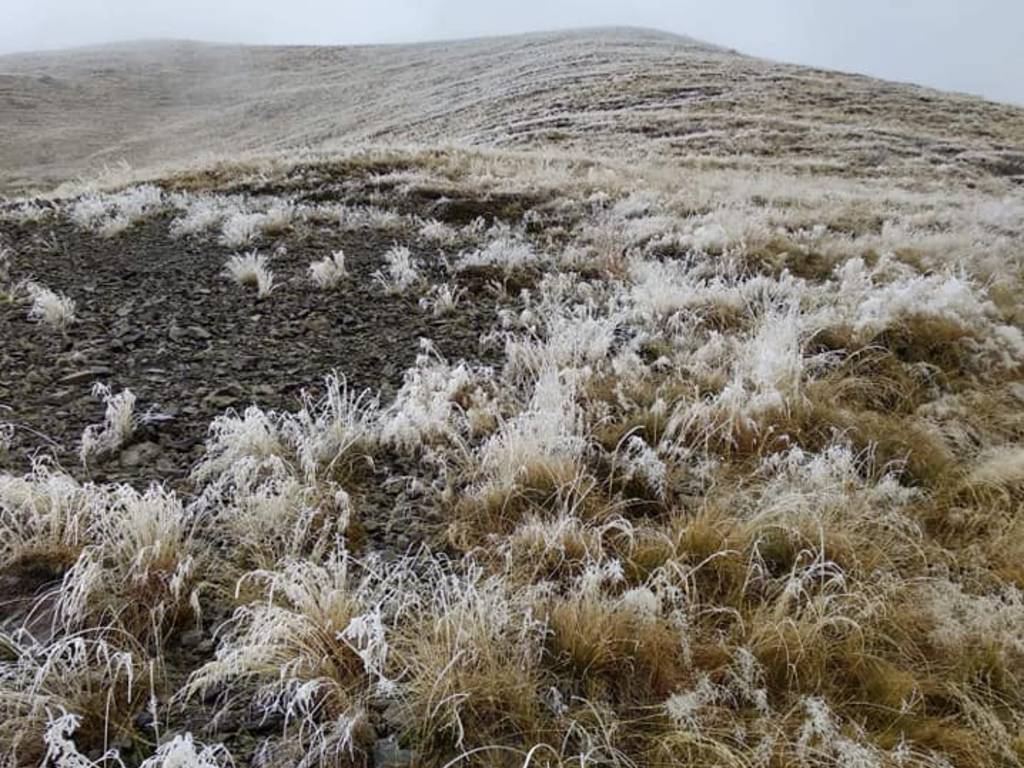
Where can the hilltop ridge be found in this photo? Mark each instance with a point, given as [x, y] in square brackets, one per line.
[611, 92]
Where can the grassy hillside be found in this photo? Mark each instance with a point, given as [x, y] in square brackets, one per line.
[618, 92]
[674, 419]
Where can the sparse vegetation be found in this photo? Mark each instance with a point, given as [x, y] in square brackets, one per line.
[50, 308]
[401, 271]
[251, 270]
[329, 271]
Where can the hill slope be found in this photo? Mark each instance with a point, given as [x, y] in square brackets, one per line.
[701, 444]
[614, 91]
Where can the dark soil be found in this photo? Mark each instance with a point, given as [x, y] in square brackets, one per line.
[157, 316]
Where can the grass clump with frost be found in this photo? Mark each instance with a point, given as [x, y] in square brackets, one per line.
[84, 686]
[401, 271]
[315, 649]
[110, 214]
[282, 481]
[443, 300]
[50, 308]
[252, 271]
[122, 558]
[44, 519]
[329, 271]
[242, 227]
[119, 423]
[140, 568]
[439, 233]
[505, 254]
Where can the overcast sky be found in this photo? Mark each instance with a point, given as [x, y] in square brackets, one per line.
[967, 45]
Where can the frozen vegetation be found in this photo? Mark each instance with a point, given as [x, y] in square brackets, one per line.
[733, 477]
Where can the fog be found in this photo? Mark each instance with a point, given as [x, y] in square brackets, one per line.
[965, 45]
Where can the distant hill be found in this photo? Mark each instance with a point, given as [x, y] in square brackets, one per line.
[621, 92]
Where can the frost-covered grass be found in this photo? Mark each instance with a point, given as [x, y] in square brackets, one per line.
[50, 308]
[119, 422]
[241, 220]
[27, 212]
[322, 439]
[737, 483]
[439, 233]
[401, 270]
[436, 402]
[329, 271]
[45, 517]
[87, 687]
[316, 649]
[443, 300]
[123, 558]
[504, 253]
[139, 571]
[252, 271]
[242, 228]
[110, 214]
[200, 213]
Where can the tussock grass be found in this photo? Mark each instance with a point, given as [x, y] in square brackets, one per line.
[741, 486]
[241, 228]
[45, 519]
[329, 271]
[50, 308]
[122, 558]
[141, 569]
[443, 300]
[86, 677]
[251, 270]
[314, 648]
[472, 652]
[119, 423]
[401, 271]
[109, 215]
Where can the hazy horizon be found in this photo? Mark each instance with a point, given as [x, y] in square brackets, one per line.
[945, 44]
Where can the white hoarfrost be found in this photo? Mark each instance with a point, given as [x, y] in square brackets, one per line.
[427, 408]
[118, 425]
[720, 467]
[443, 299]
[109, 214]
[242, 227]
[401, 270]
[251, 270]
[50, 308]
[549, 427]
[329, 271]
[505, 253]
[876, 299]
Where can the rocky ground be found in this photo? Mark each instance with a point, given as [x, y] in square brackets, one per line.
[159, 317]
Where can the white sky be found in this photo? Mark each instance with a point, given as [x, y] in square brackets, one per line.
[968, 45]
